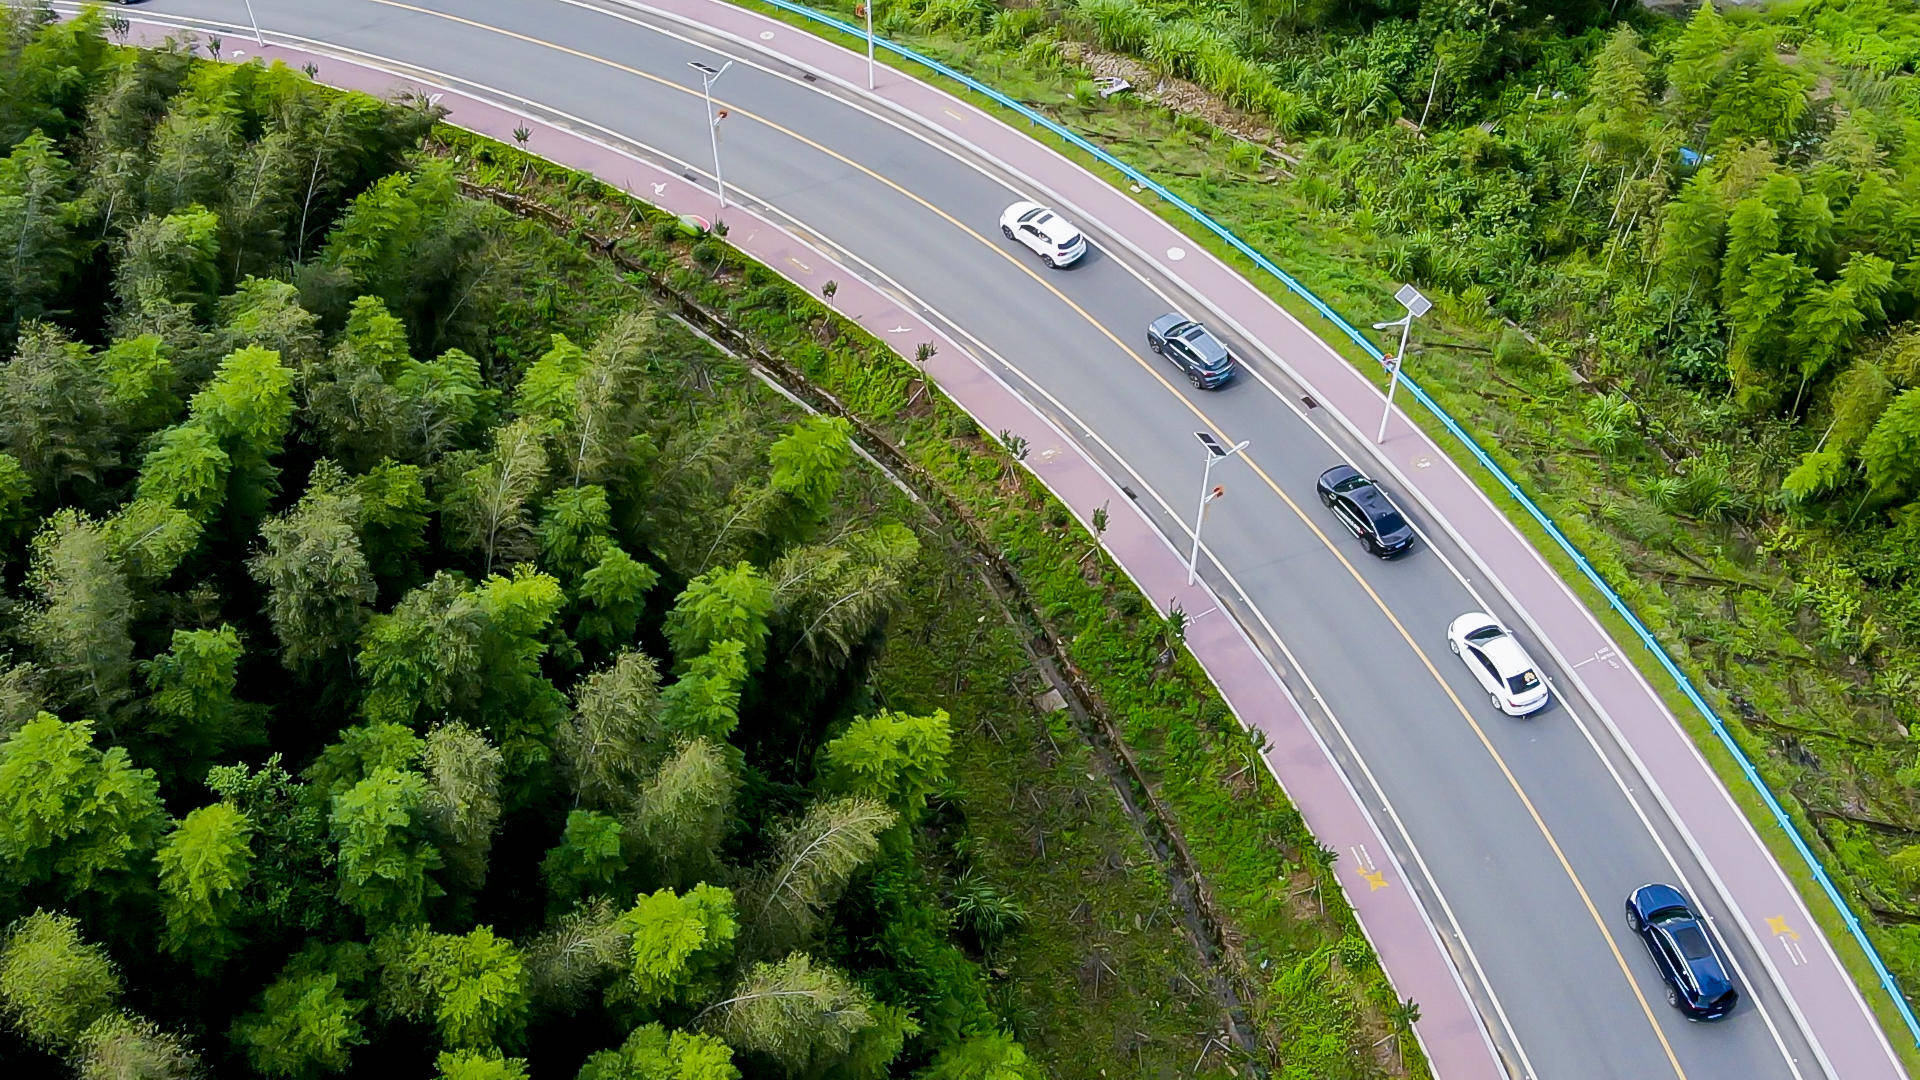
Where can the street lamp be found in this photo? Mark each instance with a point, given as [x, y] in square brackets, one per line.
[257, 39]
[1416, 306]
[1216, 453]
[708, 76]
[866, 8]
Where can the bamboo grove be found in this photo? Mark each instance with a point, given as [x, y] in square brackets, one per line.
[416, 654]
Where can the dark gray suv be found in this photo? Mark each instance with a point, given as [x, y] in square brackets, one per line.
[1193, 349]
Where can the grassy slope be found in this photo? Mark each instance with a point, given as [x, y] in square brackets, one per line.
[1702, 588]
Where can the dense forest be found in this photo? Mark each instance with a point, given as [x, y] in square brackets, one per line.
[415, 655]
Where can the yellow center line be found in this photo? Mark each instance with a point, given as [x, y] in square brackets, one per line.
[1513, 781]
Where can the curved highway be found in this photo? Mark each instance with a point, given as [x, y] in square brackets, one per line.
[1525, 835]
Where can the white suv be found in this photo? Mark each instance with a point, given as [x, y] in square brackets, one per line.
[1050, 236]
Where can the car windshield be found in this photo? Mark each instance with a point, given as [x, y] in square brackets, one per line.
[1031, 214]
[1523, 682]
[1486, 634]
[1389, 523]
[1352, 482]
[1692, 940]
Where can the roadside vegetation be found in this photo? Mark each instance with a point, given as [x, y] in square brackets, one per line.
[419, 651]
[1676, 264]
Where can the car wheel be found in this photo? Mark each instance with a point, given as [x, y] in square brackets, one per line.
[1008, 233]
[1673, 997]
[1154, 344]
[1633, 920]
[1495, 698]
[1048, 259]
[1194, 378]
[1454, 645]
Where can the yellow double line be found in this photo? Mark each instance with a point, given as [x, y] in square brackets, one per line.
[1152, 370]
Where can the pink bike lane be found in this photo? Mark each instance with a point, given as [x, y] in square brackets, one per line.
[1753, 889]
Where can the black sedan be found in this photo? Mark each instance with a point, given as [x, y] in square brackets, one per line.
[1193, 349]
[1365, 510]
[1697, 982]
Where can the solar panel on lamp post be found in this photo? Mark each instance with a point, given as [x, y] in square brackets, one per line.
[1416, 305]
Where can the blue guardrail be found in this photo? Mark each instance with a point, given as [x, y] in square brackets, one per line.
[1614, 600]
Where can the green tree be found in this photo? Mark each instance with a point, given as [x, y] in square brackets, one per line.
[318, 582]
[1891, 451]
[832, 597]
[488, 509]
[81, 627]
[53, 419]
[471, 986]
[479, 1065]
[249, 406]
[267, 314]
[573, 530]
[680, 944]
[38, 220]
[471, 654]
[192, 697]
[292, 881]
[813, 860]
[705, 699]
[463, 807]
[590, 856]
[1756, 95]
[1697, 57]
[150, 539]
[991, 1056]
[306, 1026]
[385, 856]
[1615, 116]
[1692, 229]
[1753, 233]
[891, 757]
[685, 809]
[355, 414]
[139, 376]
[197, 144]
[73, 814]
[612, 596]
[188, 470]
[611, 739]
[809, 462]
[204, 866]
[52, 983]
[794, 1011]
[394, 513]
[651, 1052]
[440, 400]
[723, 604]
[173, 258]
[122, 1046]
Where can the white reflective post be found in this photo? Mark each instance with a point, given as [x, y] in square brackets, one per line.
[869, 9]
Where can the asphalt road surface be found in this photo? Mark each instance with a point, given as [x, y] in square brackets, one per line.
[1528, 830]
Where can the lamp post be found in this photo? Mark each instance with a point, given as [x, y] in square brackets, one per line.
[1216, 453]
[1416, 306]
[257, 39]
[708, 76]
[866, 8]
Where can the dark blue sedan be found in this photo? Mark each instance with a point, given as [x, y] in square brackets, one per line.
[1697, 981]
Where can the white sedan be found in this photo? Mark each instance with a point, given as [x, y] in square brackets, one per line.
[1504, 669]
[1049, 235]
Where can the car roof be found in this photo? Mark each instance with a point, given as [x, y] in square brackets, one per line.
[1507, 655]
[1373, 501]
[1203, 341]
[1654, 896]
[1057, 228]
